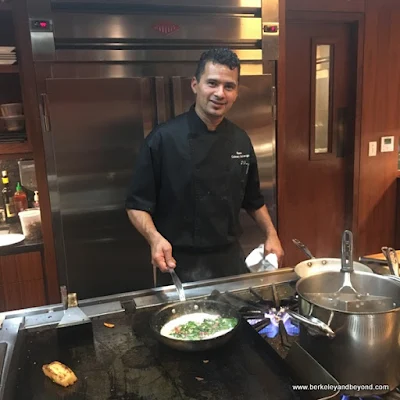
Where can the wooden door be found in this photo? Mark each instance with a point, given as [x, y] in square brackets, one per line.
[317, 186]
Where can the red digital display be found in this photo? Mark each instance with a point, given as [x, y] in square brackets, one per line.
[41, 25]
[270, 28]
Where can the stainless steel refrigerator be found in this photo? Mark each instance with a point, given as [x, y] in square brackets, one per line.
[107, 73]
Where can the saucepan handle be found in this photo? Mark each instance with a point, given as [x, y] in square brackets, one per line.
[303, 247]
[314, 322]
[347, 251]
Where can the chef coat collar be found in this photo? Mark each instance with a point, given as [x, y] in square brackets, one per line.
[198, 125]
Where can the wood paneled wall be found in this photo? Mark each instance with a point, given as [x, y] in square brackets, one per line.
[380, 117]
[376, 198]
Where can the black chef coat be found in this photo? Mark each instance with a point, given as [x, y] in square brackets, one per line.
[194, 182]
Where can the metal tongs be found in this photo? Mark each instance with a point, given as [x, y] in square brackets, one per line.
[393, 262]
[178, 284]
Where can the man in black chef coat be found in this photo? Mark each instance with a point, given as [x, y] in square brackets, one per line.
[193, 175]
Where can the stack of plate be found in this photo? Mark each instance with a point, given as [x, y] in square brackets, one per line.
[7, 55]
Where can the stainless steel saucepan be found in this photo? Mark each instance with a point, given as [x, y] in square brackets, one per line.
[358, 346]
[317, 265]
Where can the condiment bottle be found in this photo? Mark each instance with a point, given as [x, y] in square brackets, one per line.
[8, 200]
[20, 199]
[36, 200]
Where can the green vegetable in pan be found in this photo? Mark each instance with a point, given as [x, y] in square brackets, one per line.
[203, 330]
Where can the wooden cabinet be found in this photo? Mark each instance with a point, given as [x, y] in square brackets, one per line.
[21, 281]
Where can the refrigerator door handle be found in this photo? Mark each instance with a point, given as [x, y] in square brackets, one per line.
[177, 91]
[44, 101]
[160, 98]
[147, 109]
[273, 102]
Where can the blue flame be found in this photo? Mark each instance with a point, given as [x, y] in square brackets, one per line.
[270, 330]
[292, 330]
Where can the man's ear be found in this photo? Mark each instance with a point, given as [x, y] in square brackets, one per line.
[193, 84]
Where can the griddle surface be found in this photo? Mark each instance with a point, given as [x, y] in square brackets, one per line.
[128, 363]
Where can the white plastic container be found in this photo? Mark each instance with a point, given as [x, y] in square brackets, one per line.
[31, 224]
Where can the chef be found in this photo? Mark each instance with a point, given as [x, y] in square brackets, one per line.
[193, 175]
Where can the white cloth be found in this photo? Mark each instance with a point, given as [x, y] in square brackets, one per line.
[256, 262]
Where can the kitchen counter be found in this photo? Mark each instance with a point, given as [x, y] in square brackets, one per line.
[25, 246]
[377, 258]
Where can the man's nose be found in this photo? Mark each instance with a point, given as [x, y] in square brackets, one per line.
[220, 91]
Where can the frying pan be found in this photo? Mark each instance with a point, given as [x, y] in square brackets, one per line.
[172, 311]
[316, 265]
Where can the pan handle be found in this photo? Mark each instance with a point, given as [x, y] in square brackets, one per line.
[303, 247]
[347, 251]
[314, 322]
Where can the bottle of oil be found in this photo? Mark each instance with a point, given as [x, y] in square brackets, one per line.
[20, 199]
[8, 200]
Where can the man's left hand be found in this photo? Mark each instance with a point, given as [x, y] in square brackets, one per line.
[273, 245]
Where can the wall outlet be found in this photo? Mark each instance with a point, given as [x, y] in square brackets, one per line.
[372, 148]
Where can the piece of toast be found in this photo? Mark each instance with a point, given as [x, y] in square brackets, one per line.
[59, 373]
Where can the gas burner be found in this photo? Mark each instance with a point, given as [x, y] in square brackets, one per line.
[269, 317]
[272, 320]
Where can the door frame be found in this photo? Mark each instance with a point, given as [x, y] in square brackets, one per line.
[357, 22]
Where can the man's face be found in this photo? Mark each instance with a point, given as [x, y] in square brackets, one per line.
[217, 90]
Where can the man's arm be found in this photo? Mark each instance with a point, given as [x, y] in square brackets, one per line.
[253, 203]
[272, 243]
[161, 249]
[263, 219]
[142, 198]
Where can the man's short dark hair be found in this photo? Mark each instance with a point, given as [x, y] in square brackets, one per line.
[221, 56]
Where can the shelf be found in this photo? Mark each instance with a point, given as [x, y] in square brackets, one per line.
[9, 69]
[15, 148]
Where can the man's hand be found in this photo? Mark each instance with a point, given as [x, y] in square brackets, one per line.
[273, 245]
[161, 254]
